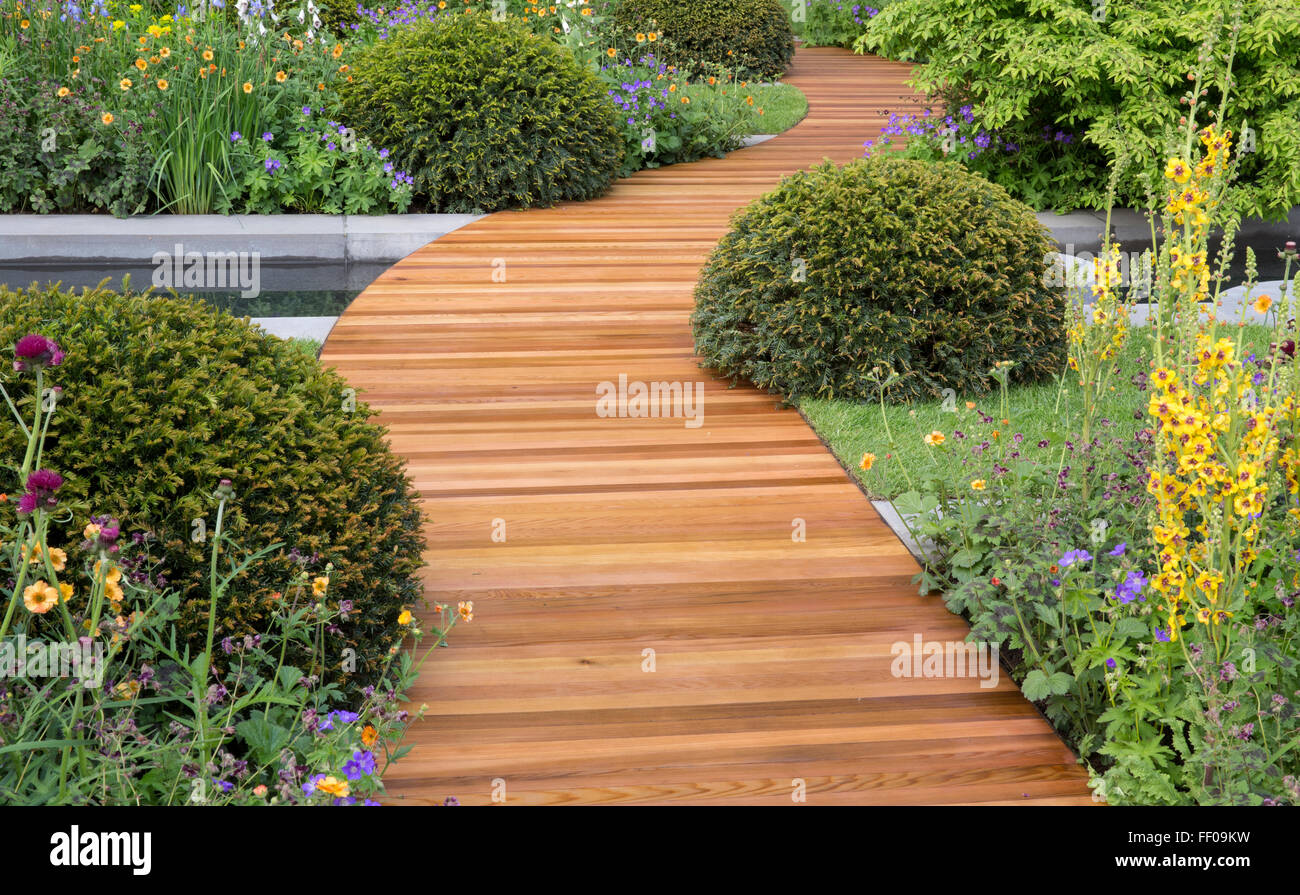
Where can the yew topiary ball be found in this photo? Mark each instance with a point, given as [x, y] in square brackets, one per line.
[844, 273]
[164, 397]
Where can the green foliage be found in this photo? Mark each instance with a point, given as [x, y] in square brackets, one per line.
[752, 37]
[312, 165]
[885, 262]
[163, 397]
[56, 156]
[1032, 70]
[836, 23]
[338, 16]
[485, 115]
[669, 119]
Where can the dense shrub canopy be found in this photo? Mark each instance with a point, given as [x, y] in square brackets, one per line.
[1039, 73]
[164, 397]
[752, 37]
[485, 115]
[923, 267]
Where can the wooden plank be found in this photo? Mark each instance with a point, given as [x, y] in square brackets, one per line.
[772, 655]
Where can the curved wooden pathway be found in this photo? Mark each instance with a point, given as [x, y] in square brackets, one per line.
[771, 656]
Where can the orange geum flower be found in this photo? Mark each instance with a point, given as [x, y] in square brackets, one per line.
[935, 438]
[280, 77]
[106, 118]
[868, 460]
[248, 87]
[333, 786]
[40, 597]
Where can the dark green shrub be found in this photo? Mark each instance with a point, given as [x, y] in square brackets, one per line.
[752, 37]
[338, 17]
[164, 397]
[924, 267]
[485, 115]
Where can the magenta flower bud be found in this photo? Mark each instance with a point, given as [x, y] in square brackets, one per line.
[35, 352]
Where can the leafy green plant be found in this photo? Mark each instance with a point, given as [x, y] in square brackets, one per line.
[485, 115]
[104, 702]
[920, 268]
[313, 165]
[836, 23]
[751, 37]
[162, 397]
[1068, 87]
[57, 157]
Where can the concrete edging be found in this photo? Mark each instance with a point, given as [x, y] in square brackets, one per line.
[74, 238]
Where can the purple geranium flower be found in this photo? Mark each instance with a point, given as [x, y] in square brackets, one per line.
[1073, 557]
[1131, 587]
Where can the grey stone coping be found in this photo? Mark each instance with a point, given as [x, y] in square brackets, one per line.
[1083, 229]
[60, 238]
[317, 328]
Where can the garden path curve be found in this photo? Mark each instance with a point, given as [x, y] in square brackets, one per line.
[771, 656]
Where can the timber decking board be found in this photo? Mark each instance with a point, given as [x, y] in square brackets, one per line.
[772, 656]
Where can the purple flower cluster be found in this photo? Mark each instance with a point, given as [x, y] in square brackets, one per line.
[1131, 587]
[39, 493]
[35, 352]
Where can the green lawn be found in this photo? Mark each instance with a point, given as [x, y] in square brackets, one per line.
[782, 106]
[306, 346]
[1038, 411]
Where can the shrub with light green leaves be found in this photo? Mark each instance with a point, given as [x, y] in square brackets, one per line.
[886, 262]
[751, 37]
[485, 115]
[1067, 87]
[164, 397]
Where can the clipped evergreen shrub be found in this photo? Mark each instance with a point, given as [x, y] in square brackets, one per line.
[885, 261]
[485, 115]
[162, 398]
[752, 37]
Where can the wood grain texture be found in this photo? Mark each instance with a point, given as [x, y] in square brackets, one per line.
[624, 535]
